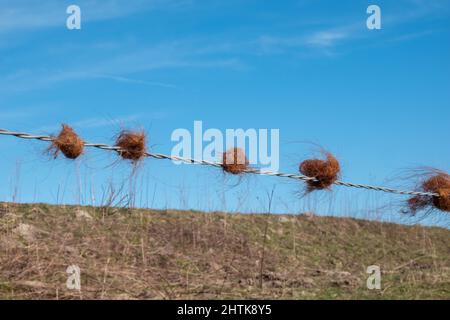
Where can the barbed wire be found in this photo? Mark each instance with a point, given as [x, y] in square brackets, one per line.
[23, 135]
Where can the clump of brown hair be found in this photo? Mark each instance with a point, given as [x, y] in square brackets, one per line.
[438, 183]
[67, 142]
[131, 145]
[326, 172]
[234, 161]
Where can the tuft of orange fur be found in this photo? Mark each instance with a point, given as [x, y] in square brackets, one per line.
[325, 171]
[68, 143]
[132, 145]
[234, 161]
[438, 183]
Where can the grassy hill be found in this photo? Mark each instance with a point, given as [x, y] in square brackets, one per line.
[146, 254]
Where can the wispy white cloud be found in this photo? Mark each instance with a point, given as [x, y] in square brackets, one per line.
[20, 112]
[320, 41]
[119, 67]
[98, 122]
[14, 115]
[412, 36]
[327, 38]
[134, 81]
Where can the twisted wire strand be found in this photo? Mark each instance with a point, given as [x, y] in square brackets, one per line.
[159, 156]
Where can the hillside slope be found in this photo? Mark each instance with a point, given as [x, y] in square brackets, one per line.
[139, 254]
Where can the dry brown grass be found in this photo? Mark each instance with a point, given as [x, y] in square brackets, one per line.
[141, 254]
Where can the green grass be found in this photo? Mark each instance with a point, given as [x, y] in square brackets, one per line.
[147, 254]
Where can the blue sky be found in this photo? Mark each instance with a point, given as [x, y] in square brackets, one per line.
[378, 99]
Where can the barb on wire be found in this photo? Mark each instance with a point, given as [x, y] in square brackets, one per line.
[304, 178]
